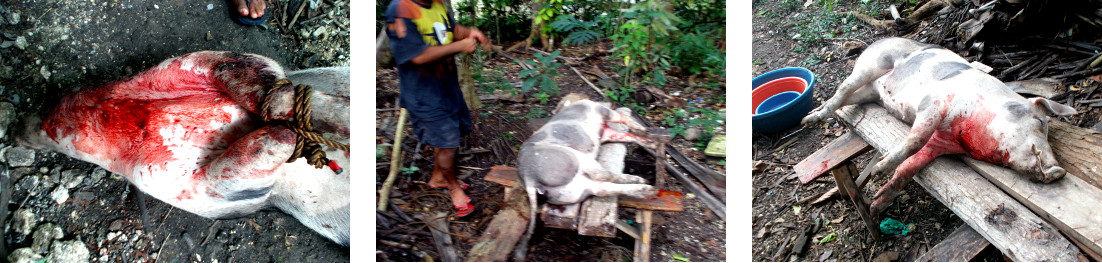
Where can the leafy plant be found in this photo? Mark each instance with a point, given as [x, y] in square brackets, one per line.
[541, 73]
[696, 53]
[410, 170]
[579, 31]
[643, 41]
[536, 113]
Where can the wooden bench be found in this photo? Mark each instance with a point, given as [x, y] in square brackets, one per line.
[1024, 222]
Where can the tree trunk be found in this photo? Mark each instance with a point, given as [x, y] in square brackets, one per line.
[463, 66]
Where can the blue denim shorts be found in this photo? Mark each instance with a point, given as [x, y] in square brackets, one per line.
[444, 133]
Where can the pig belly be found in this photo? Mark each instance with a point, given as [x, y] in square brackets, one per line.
[159, 145]
[571, 193]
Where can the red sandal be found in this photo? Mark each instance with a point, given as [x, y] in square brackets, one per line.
[464, 210]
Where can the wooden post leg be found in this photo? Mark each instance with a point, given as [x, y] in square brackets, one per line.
[843, 176]
[660, 136]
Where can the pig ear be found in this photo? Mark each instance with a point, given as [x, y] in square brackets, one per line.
[1052, 107]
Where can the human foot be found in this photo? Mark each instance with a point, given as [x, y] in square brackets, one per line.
[250, 12]
[461, 202]
[444, 184]
[251, 9]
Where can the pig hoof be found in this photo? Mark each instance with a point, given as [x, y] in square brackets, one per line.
[811, 119]
[649, 191]
[1052, 174]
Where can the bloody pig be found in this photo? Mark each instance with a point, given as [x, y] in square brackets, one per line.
[189, 132]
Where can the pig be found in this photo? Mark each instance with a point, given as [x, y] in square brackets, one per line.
[560, 159]
[953, 109]
[189, 133]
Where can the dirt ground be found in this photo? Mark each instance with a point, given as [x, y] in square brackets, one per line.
[56, 46]
[695, 234]
[781, 209]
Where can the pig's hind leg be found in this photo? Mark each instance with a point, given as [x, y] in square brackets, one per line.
[595, 171]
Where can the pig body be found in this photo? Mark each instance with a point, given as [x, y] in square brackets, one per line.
[560, 159]
[188, 132]
[953, 109]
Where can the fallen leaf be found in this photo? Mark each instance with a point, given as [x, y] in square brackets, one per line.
[680, 257]
[762, 232]
[838, 220]
[826, 255]
[796, 209]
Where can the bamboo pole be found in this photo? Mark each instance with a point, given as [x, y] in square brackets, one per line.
[395, 160]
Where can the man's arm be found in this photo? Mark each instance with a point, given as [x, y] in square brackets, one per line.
[434, 53]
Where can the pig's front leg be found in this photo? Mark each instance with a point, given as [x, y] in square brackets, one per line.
[243, 172]
[940, 143]
[926, 122]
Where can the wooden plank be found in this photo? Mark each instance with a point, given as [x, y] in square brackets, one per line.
[1022, 237]
[842, 149]
[960, 246]
[1078, 150]
[560, 216]
[843, 176]
[1070, 204]
[664, 201]
[503, 175]
[599, 214]
[504, 230]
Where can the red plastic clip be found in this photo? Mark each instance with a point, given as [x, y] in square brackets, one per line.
[336, 168]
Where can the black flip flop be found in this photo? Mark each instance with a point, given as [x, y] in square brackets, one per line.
[249, 20]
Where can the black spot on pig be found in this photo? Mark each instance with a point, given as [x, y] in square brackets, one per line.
[248, 194]
[572, 136]
[947, 70]
[914, 63]
[571, 112]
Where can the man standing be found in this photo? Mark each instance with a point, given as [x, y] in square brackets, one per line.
[424, 39]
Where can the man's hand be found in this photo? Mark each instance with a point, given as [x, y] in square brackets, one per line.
[466, 45]
[481, 38]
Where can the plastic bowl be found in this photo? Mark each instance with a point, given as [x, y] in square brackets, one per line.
[786, 115]
[776, 101]
[775, 87]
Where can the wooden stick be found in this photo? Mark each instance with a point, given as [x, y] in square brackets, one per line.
[395, 161]
[299, 12]
[562, 57]
[587, 81]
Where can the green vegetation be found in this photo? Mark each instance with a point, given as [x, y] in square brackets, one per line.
[541, 73]
[580, 32]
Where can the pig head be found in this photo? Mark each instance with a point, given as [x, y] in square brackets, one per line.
[188, 132]
[560, 159]
[952, 108]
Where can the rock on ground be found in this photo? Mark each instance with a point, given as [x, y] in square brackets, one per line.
[7, 116]
[24, 255]
[24, 221]
[71, 178]
[44, 235]
[72, 251]
[60, 194]
[20, 157]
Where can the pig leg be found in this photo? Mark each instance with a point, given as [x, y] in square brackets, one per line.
[610, 135]
[241, 173]
[856, 89]
[595, 171]
[940, 143]
[613, 189]
[929, 117]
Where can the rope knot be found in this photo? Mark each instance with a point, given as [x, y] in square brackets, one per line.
[307, 144]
